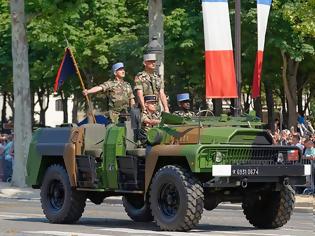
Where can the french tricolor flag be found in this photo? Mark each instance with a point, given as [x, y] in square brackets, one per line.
[263, 9]
[220, 71]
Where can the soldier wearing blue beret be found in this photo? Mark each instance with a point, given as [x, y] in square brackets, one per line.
[118, 92]
[184, 105]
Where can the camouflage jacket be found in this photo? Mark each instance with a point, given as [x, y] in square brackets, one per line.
[149, 116]
[149, 83]
[118, 94]
[182, 113]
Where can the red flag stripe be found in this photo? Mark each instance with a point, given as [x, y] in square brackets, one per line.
[257, 74]
[220, 74]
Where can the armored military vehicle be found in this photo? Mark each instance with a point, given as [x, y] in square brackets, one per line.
[184, 167]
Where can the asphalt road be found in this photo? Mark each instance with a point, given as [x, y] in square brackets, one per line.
[25, 217]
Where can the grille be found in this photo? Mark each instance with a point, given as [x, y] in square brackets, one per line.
[253, 155]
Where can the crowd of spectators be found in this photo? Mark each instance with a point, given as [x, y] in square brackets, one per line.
[304, 138]
[6, 156]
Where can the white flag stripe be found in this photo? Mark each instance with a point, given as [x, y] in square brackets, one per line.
[262, 20]
[217, 28]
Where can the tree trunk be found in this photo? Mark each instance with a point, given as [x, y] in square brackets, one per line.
[300, 83]
[4, 110]
[257, 107]
[284, 113]
[11, 103]
[217, 105]
[43, 101]
[64, 100]
[308, 101]
[246, 98]
[22, 99]
[33, 107]
[289, 73]
[270, 105]
[75, 109]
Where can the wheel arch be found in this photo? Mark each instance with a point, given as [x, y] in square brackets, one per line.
[45, 162]
[160, 156]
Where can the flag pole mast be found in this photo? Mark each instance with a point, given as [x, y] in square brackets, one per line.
[238, 58]
[82, 85]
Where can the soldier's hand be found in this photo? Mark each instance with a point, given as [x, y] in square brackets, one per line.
[85, 92]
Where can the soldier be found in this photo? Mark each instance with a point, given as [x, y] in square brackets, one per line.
[184, 104]
[148, 82]
[118, 92]
[150, 117]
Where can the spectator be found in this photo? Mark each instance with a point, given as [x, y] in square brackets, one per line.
[309, 152]
[296, 141]
[8, 157]
[2, 145]
[284, 137]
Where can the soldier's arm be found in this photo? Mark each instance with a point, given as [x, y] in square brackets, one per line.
[151, 121]
[131, 96]
[164, 100]
[92, 90]
[139, 92]
[141, 99]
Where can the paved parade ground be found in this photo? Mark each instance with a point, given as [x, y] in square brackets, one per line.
[21, 214]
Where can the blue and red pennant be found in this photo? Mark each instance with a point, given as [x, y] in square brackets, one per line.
[66, 69]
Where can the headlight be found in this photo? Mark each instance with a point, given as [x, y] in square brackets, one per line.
[218, 157]
[280, 158]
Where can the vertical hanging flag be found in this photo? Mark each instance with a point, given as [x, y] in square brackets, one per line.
[66, 69]
[263, 9]
[220, 71]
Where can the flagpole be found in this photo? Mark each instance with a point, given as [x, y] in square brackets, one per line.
[238, 58]
[82, 85]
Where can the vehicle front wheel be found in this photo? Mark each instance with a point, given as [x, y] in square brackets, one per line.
[60, 203]
[176, 199]
[270, 209]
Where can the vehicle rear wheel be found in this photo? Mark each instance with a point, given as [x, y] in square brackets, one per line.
[60, 203]
[270, 210]
[137, 208]
[176, 199]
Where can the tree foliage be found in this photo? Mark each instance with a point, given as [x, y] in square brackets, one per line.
[102, 32]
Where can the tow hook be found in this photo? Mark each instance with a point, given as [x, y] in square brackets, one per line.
[286, 181]
[244, 183]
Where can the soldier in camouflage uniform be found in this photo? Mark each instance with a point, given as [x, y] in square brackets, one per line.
[150, 117]
[184, 104]
[118, 92]
[148, 82]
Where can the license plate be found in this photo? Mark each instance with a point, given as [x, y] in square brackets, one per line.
[245, 171]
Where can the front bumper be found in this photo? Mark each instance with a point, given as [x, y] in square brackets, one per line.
[263, 171]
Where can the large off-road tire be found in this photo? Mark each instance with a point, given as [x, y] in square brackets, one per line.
[176, 199]
[60, 203]
[137, 208]
[271, 209]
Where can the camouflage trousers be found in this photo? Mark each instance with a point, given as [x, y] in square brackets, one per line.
[116, 117]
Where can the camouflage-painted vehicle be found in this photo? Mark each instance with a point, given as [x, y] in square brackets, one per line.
[185, 167]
